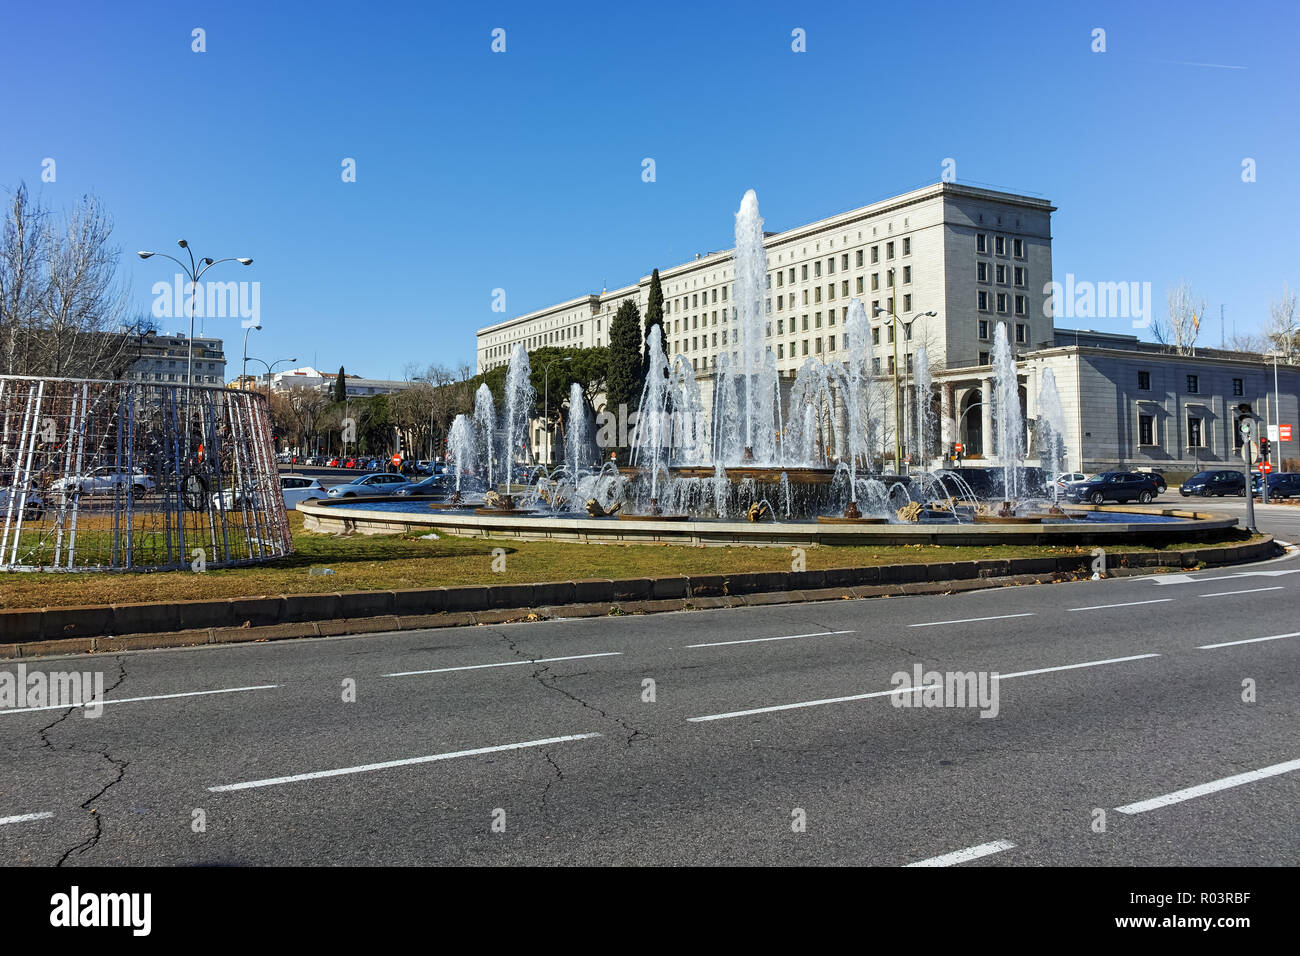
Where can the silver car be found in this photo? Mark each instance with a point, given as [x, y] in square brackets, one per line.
[367, 486]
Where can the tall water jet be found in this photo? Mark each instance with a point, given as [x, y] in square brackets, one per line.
[461, 444]
[648, 449]
[519, 405]
[924, 412]
[485, 426]
[1008, 421]
[576, 440]
[1049, 430]
[760, 417]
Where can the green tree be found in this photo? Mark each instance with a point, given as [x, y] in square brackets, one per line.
[654, 314]
[626, 371]
[340, 387]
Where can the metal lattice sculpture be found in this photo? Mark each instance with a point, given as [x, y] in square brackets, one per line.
[100, 475]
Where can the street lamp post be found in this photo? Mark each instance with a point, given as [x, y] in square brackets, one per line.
[895, 324]
[194, 274]
[546, 399]
[243, 369]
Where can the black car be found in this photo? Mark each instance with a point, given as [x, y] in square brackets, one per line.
[1283, 485]
[1220, 483]
[1158, 477]
[1120, 486]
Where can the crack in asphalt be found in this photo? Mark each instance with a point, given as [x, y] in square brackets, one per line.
[543, 676]
[119, 765]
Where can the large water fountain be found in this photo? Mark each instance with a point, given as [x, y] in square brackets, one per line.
[814, 458]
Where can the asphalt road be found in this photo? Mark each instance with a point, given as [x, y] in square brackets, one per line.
[770, 735]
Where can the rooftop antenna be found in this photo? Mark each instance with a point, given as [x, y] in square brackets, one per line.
[1223, 340]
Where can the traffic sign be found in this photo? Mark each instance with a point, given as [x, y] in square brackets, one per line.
[1284, 432]
[959, 448]
[397, 460]
[1266, 467]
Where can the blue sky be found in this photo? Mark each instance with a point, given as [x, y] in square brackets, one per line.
[522, 170]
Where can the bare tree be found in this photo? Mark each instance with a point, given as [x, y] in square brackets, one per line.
[22, 261]
[62, 310]
[306, 405]
[1182, 325]
[1281, 332]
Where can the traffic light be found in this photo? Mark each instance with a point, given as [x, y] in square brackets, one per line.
[1264, 446]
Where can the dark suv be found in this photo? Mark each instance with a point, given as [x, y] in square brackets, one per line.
[1120, 486]
[1206, 483]
[1284, 485]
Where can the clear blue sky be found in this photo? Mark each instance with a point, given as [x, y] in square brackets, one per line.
[522, 170]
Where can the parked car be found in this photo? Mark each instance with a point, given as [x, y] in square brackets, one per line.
[368, 485]
[33, 504]
[293, 488]
[1207, 483]
[332, 463]
[435, 485]
[1064, 482]
[1119, 486]
[1161, 485]
[105, 481]
[1282, 485]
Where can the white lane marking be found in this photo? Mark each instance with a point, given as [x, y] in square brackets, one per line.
[1251, 640]
[1070, 667]
[966, 855]
[136, 700]
[1195, 579]
[1102, 607]
[969, 620]
[899, 690]
[1280, 587]
[759, 640]
[476, 667]
[1214, 786]
[388, 764]
[23, 818]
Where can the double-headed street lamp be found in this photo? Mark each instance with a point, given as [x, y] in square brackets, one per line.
[194, 273]
[896, 322]
[546, 400]
[269, 368]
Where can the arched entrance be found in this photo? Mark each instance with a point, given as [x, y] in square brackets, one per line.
[971, 423]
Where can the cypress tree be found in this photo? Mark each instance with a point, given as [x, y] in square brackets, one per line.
[626, 371]
[340, 387]
[654, 315]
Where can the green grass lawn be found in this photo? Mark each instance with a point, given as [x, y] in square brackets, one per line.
[384, 562]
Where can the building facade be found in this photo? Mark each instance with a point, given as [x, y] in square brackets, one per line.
[163, 358]
[973, 256]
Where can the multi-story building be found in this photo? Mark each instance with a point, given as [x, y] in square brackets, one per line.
[164, 358]
[973, 256]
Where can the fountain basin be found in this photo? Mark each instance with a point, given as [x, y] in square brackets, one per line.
[1107, 528]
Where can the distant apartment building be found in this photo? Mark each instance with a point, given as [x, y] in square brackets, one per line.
[164, 358]
[308, 377]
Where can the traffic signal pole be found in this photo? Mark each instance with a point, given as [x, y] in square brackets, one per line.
[1245, 423]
